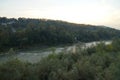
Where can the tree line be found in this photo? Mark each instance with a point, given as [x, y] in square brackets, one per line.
[25, 32]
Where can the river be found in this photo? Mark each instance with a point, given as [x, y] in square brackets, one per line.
[35, 55]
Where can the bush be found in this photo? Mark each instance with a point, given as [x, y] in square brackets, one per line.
[95, 63]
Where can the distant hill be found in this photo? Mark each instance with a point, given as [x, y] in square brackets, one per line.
[25, 32]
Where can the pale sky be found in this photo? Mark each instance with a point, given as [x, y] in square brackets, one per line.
[96, 12]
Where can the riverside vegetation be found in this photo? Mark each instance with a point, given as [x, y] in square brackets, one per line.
[100, 62]
[23, 33]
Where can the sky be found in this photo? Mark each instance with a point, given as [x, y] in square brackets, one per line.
[95, 12]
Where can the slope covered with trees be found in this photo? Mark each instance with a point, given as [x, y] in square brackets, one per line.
[26, 32]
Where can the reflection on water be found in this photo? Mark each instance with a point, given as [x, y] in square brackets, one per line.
[36, 55]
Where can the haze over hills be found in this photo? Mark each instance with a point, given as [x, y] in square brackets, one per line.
[95, 12]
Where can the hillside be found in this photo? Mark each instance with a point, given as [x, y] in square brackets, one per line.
[25, 32]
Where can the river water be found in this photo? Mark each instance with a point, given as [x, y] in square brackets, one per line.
[35, 55]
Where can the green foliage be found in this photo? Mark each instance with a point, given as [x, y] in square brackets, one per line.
[23, 33]
[95, 63]
[17, 70]
[99, 62]
[53, 69]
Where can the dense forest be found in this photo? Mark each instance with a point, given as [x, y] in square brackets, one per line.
[101, 62]
[25, 32]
